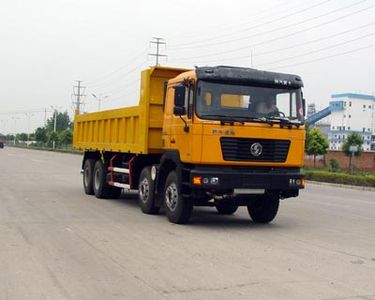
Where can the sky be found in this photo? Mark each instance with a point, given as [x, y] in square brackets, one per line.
[46, 45]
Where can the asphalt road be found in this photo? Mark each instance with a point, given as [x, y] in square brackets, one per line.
[57, 243]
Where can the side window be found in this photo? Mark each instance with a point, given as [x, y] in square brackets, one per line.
[168, 106]
[189, 96]
[190, 101]
[293, 105]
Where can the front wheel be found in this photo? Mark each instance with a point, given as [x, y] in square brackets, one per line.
[264, 208]
[177, 208]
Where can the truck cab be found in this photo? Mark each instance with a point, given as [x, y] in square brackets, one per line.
[239, 132]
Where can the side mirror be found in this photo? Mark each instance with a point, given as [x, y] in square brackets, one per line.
[304, 106]
[179, 95]
[179, 110]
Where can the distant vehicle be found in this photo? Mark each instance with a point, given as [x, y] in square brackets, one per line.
[214, 136]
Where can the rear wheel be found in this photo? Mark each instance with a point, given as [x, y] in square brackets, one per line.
[177, 208]
[264, 208]
[88, 170]
[226, 207]
[146, 192]
[100, 185]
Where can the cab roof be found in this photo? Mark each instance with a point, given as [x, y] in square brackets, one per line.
[239, 75]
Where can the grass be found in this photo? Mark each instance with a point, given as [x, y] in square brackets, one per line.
[358, 179]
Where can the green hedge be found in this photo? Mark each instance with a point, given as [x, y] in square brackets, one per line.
[341, 178]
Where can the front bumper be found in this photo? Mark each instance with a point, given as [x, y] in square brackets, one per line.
[225, 179]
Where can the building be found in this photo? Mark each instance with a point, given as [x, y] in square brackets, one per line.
[352, 113]
[323, 124]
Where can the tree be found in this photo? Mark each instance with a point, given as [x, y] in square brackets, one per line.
[65, 137]
[353, 140]
[52, 137]
[317, 143]
[62, 122]
[307, 140]
[41, 135]
[21, 137]
[9, 137]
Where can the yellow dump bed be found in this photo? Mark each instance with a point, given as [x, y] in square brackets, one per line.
[136, 129]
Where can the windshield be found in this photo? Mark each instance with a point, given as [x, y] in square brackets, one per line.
[217, 101]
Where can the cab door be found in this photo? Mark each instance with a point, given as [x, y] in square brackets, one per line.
[177, 129]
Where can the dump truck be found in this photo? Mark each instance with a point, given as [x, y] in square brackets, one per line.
[212, 136]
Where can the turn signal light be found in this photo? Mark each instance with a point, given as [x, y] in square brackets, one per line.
[197, 180]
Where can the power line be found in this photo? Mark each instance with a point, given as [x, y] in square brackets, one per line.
[325, 57]
[126, 74]
[318, 50]
[99, 80]
[158, 42]
[255, 26]
[301, 44]
[21, 112]
[121, 88]
[315, 40]
[255, 16]
[280, 27]
[282, 36]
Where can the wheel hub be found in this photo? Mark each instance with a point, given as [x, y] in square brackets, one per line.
[171, 197]
[144, 190]
[97, 179]
[86, 176]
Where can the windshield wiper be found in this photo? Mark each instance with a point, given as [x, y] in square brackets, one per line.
[226, 118]
[284, 120]
[240, 119]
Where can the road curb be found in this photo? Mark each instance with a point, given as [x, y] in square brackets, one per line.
[347, 186]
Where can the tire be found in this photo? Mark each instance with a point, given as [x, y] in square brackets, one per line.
[87, 178]
[100, 186]
[177, 208]
[264, 209]
[226, 207]
[146, 193]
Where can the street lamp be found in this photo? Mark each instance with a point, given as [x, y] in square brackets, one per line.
[100, 98]
[54, 122]
[28, 115]
[15, 128]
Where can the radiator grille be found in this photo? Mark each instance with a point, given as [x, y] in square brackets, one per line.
[238, 149]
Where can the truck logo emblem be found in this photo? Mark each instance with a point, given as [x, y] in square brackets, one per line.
[256, 149]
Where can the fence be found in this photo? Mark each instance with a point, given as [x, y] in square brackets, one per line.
[364, 162]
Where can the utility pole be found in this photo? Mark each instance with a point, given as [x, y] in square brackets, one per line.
[100, 98]
[251, 57]
[15, 128]
[45, 116]
[54, 124]
[28, 115]
[78, 94]
[157, 41]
